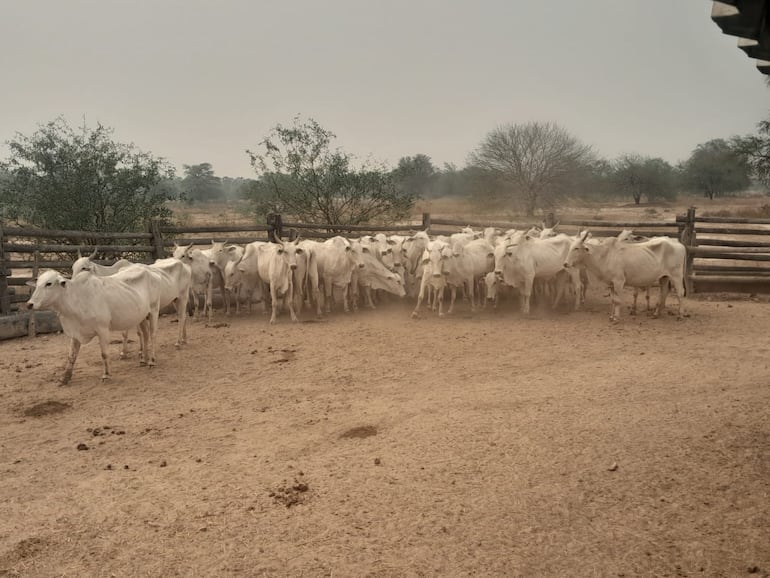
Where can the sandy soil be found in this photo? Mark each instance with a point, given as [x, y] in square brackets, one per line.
[377, 445]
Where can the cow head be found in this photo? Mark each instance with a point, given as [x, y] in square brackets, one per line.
[435, 257]
[48, 289]
[578, 250]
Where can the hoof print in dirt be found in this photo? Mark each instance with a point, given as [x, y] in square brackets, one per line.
[82, 447]
[46, 408]
[363, 431]
[290, 495]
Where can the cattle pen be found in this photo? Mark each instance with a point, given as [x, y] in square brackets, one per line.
[724, 254]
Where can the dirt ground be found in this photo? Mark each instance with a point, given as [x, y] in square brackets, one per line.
[377, 445]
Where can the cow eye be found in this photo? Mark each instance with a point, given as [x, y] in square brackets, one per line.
[280, 251]
[510, 253]
[425, 261]
[299, 251]
[48, 284]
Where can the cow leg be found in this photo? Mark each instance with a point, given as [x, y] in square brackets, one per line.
[472, 291]
[616, 290]
[647, 300]
[152, 330]
[124, 350]
[209, 306]
[368, 293]
[104, 339]
[71, 358]
[526, 295]
[661, 308]
[678, 284]
[453, 289]
[290, 299]
[633, 307]
[420, 297]
[275, 303]
[181, 313]
[440, 299]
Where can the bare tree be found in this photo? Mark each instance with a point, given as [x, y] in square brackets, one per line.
[536, 159]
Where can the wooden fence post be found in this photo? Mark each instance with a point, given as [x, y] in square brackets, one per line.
[689, 239]
[275, 224]
[5, 298]
[157, 239]
[32, 324]
[426, 221]
[550, 220]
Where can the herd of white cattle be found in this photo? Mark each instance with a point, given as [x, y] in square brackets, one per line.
[97, 300]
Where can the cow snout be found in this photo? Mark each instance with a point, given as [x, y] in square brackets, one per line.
[293, 267]
[360, 265]
[30, 305]
[566, 265]
[498, 273]
[437, 274]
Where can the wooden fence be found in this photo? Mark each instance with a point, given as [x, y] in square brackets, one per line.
[723, 254]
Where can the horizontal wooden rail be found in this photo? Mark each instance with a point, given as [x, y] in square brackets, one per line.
[380, 228]
[215, 229]
[207, 242]
[730, 231]
[734, 243]
[53, 233]
[18, 264]
[732, 220]
[732, 269]
[23, 248]
[704, 253]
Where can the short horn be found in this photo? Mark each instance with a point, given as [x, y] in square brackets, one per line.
[93, 255]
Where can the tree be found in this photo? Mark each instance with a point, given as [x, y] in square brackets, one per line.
[301, 175]
[756, 150]
[537, 160]
[201, 184]
[647, 177]
[61, 178]
[415, 173]
[716, 168]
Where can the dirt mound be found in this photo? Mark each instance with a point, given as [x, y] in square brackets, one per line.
[49, 407]
[363, 431]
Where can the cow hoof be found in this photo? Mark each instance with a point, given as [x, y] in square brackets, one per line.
[442, 314]
[414, 315]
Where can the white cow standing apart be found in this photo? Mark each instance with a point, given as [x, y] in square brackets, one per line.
[619, 264]
[90, 306]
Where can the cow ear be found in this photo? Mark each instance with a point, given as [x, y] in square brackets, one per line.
[365, 249]
[348, 247]
[232, 248]
[391, 242]
[30, 283]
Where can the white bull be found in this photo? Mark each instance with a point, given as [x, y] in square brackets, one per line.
[91, 306]
[619, 264]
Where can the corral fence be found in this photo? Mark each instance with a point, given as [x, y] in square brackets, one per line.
[723, 253]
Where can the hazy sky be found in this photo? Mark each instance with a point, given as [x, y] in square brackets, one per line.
[197, 81]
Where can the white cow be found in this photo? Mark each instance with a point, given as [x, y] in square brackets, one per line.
[336, 261]
[468, 262]
[659, 260]
[90, 306]
[243, 275]
[174, 278]
[434, 275]
[276, 263]
[86, 263]
[198, 262]
[374, 275]
[220, 254]
[522, 259]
